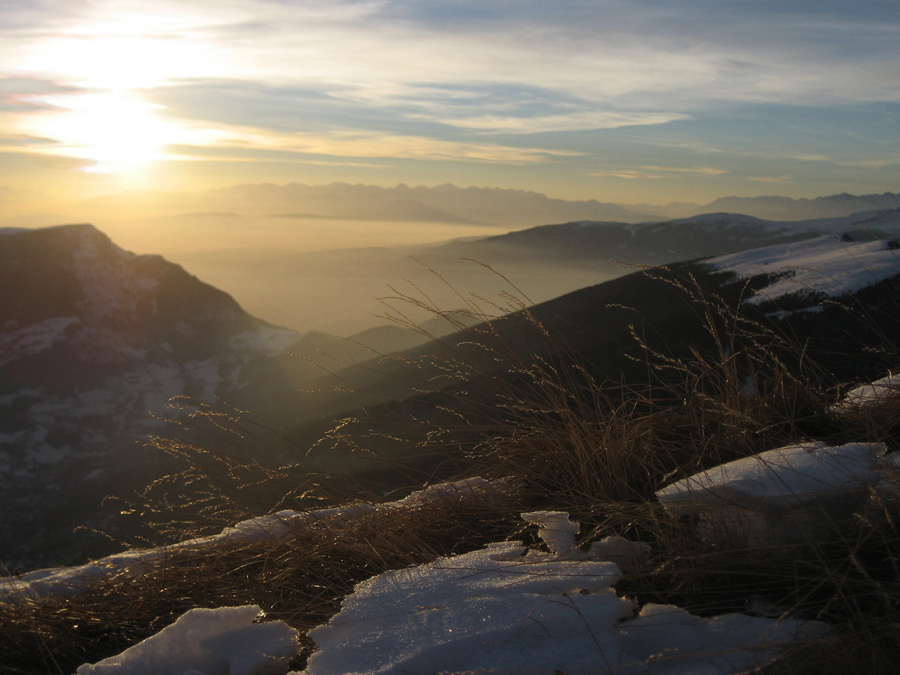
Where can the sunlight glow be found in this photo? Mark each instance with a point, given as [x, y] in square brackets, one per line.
[115, 131]
[111, 66]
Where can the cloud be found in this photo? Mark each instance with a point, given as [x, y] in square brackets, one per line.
[634, 85]
[28, 95]
[696, 170]
[771, 179]
[656, 172]
[250, 142]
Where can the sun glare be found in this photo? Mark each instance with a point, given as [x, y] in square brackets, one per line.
[111, 67]
[115, 131]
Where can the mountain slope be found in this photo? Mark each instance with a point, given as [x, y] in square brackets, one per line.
[834, 296]
[94, 342]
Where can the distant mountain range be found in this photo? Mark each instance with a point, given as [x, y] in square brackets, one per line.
[448, 203]
[656, 243]
[445, 203]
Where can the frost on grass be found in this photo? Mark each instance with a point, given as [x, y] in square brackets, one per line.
[224, 641]
[499, 610]
[791, 495]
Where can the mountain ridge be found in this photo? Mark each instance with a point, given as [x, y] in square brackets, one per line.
[449, 203]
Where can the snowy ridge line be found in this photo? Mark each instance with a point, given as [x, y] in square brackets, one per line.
[70, 580]
[831, 265]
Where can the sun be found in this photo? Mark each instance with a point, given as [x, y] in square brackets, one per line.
[115, 132]
[107, 72]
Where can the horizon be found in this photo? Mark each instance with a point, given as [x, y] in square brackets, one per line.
[20, 198]
[615, 101]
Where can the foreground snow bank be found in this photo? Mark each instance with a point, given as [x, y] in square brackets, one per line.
[795, 494]
[499, 610]
[224, 641]
[68, 580]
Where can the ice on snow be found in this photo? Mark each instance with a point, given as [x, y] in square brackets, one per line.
[498, 609]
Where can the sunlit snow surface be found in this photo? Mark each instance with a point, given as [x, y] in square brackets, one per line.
[224, 641]
[830, 265]
[498, 610]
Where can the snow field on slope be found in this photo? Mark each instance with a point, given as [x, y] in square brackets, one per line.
[828, 265]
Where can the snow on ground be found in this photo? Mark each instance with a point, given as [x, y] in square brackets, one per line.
[869, 394]
[68, 580]
[499, 610]
[33, 339]
[495, 610]
[793, 494]
[224, 641]
[831, 265]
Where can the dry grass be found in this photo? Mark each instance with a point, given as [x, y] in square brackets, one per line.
[597, 450]
[300, 579]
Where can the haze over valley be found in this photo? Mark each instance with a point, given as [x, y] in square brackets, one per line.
[319, 258]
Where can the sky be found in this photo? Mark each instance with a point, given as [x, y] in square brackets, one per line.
[618, 100]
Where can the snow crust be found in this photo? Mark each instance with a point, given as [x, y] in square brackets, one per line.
[224, 641]
[499, 610]
[556, 530]
[792, 494]
[831, 265]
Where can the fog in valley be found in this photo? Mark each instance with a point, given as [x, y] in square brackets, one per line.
[324, 258]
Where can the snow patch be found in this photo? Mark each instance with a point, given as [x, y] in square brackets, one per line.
[34, 339]
[832, 265]
[793, 494]
[500, 610]
[69, 580]
[869, 394]
[223, 641]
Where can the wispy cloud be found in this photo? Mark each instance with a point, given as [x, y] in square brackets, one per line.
[771, 179]
[504, 82]
[657, 172]
[369, 145]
